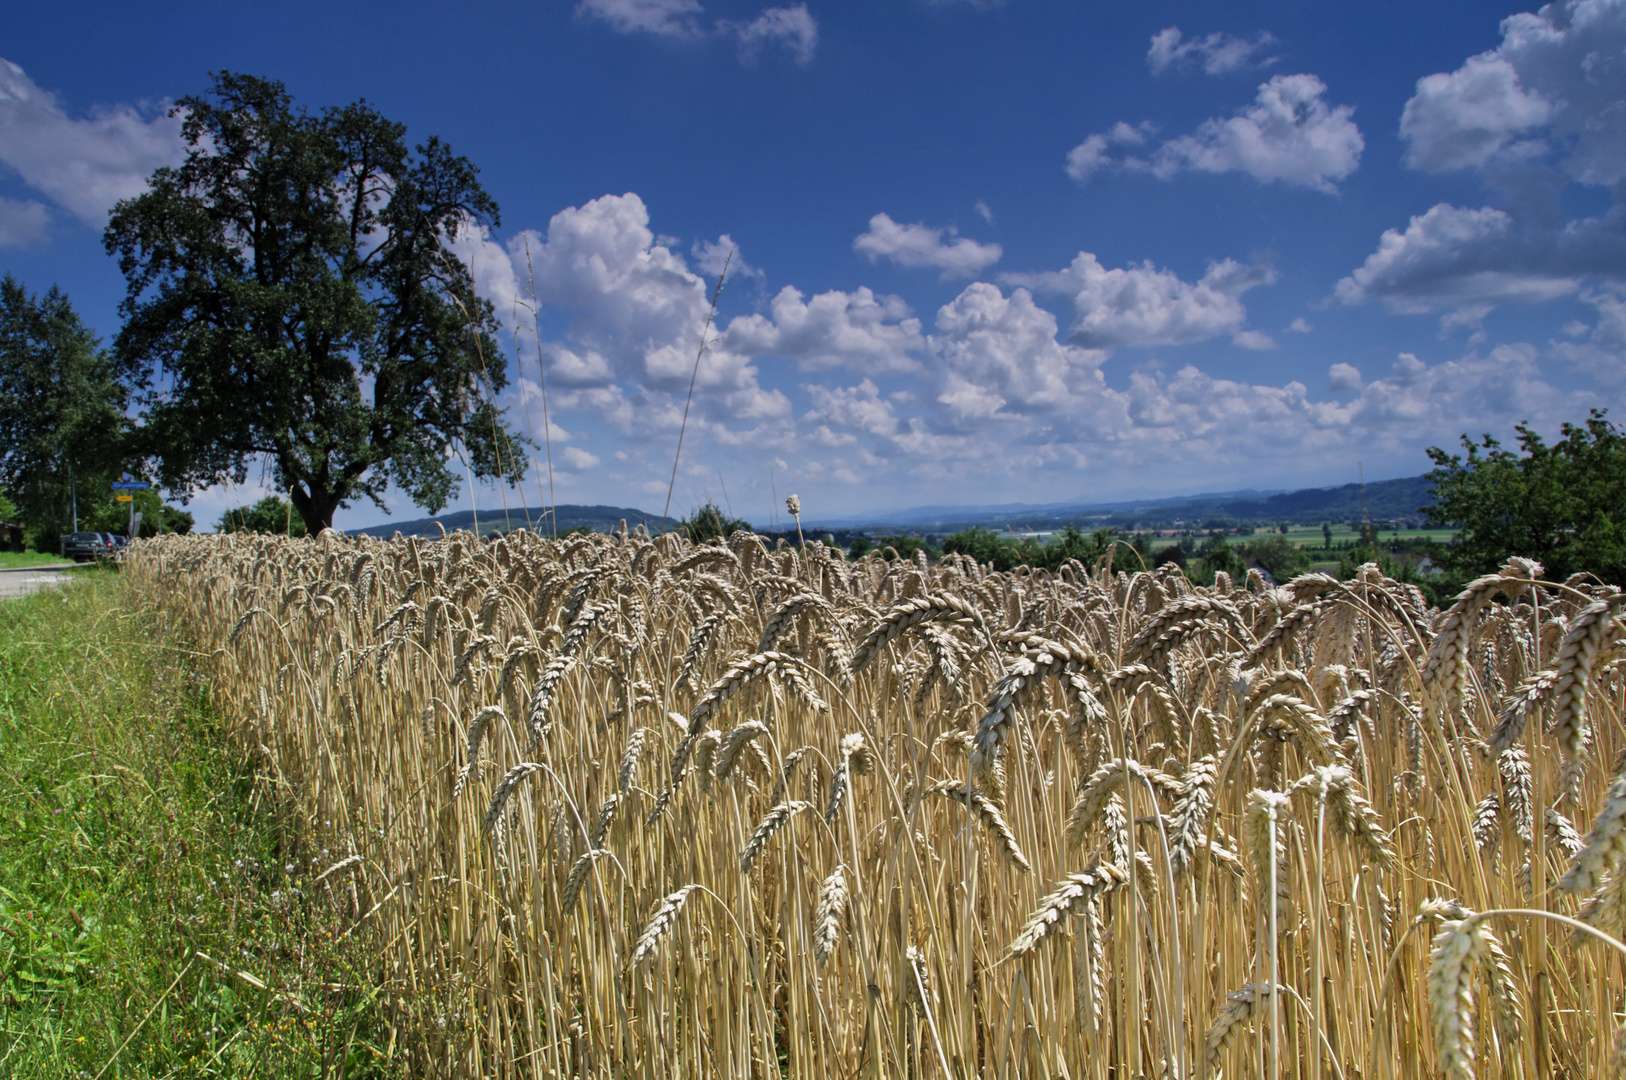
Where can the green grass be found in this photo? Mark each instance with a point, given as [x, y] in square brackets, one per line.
[17, 560]
[142, 869]
[1312, 537]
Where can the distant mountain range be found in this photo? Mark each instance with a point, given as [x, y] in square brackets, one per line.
[1386, 500]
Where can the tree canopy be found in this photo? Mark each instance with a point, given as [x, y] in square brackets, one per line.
[1563, 504]
[290, 299]
[61, 410]
[1071, 542]
[270, 515]
[709, 521]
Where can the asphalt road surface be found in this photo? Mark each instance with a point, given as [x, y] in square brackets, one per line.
[30, 580]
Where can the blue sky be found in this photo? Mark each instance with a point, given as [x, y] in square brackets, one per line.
[1029, 251]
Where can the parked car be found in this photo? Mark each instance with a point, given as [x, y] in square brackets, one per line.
[84, 546]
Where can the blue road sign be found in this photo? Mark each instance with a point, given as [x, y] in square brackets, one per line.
[131, 485]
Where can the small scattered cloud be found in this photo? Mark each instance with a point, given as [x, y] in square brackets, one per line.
[577, 458]
[1343, 378]
[1256, 340]
[984, 212]
[664, 18]
[1096, 152]
[1601, 348]
[1288, 135]
[919, 245]
[23, 223]
[1299, 326]
[1215, 54]
[711, 256]
[791, 27]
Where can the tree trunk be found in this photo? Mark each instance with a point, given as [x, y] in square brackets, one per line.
[315, 508]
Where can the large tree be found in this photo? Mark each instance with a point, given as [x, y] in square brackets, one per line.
[291, 300]
[1563, 504]
[61, 410]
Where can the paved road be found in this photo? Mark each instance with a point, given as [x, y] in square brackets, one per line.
[14, 583]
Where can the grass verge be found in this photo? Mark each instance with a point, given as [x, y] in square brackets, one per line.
[160, 915]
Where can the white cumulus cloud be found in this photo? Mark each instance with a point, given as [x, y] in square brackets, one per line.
[1462, 118]
[1543, 110]
[858, 330]
[82, 165]
[1216, 54]
[1559, 74]
[1288, 135]
[1096, 152]
[919, 245]
[1140, 305]
[711, 256]
[859, 407]
[1452, 257]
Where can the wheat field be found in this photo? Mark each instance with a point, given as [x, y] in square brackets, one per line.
[621, 806]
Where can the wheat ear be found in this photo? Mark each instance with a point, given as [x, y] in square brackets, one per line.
[1575, 655]
[629, 760]
[1074, 891]
[471, 755]
[771, 823]
[830, 914]
[499, 797]
[728, 752]
[1451, 996]
[660, 924]
[576, 878]
[1605, 845]
[992, 820]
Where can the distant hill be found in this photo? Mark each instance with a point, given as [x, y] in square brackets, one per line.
[1386, 500]
[564, 518]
